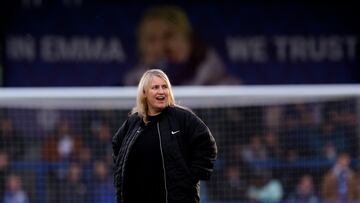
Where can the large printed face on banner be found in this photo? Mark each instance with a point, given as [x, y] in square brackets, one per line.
[207, 44]
[159, 39]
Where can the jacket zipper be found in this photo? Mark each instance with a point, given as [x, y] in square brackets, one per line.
[163, 163]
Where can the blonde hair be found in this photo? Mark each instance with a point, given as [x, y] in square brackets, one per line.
[141, 104]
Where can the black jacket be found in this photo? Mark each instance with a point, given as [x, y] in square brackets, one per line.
[188, 150]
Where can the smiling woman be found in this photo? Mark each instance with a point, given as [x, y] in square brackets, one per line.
[166, 40]
[162, 150]
[156, 96]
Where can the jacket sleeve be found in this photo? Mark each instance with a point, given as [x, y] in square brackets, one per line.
[117, 139]
[203, 149]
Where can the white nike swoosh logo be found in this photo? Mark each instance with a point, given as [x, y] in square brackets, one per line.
[174, 132]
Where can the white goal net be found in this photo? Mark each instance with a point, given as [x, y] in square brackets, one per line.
[276, 143]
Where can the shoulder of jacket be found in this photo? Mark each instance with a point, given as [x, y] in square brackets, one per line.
[184, 114]
[134, 117]
[181, 110]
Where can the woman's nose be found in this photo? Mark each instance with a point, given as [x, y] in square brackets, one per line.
[161, 90]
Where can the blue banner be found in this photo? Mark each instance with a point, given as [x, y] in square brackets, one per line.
[105, 45]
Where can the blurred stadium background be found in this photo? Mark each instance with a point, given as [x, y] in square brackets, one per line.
[276, 83]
